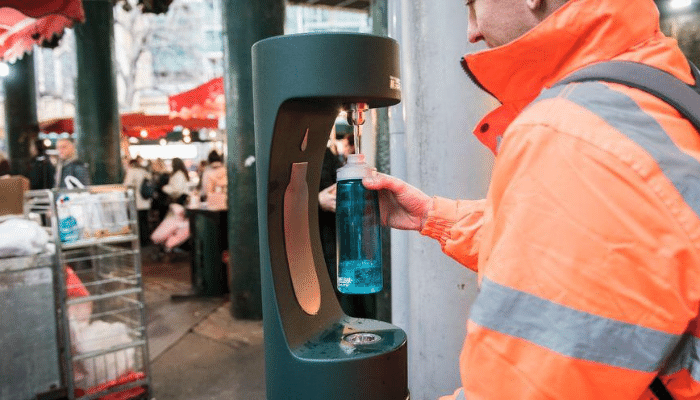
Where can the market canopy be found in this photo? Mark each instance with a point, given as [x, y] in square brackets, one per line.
[139, 125]
[42, 22]
[72, 9]
[204, 101]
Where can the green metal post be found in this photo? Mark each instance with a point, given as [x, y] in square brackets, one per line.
[208, 242]
[21, 126]
[245, 22]
[97, 114]
[380, 26]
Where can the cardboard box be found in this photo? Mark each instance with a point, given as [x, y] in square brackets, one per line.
[12, 195]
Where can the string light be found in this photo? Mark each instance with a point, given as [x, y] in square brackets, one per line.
[678, 4]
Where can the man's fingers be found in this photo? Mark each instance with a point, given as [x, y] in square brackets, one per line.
[379, 181]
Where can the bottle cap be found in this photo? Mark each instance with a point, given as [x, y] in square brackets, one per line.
[355, 168]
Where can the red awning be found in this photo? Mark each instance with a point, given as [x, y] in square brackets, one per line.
[204, 101]
[57, 125]
[72, 9]
[26, 23]
[155, 126]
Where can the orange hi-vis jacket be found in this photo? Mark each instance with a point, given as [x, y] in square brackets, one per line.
[587, 246]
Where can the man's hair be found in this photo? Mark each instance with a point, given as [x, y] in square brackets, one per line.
[40, 146]
[214, 156]
[4, 167]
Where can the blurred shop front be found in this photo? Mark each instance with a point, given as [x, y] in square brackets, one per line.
[153, 136]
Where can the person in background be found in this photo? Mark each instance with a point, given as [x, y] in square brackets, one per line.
[201, 167]
[69, 165]
[42, 173]
[214, 176]
[160, 200]
[326, 203]
[4, 166]
[135, 175]
[178, 184]
[143, 163]
[346, 145]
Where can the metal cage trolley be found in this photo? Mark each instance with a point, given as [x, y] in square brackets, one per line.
[101, 307]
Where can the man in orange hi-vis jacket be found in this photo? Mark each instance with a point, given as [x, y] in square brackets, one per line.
[587, 246]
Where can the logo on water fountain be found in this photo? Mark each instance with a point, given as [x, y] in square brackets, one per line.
[394, 83]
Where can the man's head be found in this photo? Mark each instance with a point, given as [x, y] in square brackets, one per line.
[346, 145]
[66, 149]
[213, 157]
[499, 22]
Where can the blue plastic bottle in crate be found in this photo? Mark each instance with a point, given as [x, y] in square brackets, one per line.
[67, 224]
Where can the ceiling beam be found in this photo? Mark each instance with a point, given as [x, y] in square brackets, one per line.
[346, 4]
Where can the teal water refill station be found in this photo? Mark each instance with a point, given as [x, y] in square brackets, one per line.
[313, 351]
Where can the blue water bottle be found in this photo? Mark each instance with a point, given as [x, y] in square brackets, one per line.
[358, 231]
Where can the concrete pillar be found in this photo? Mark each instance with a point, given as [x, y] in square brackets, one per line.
[21, 125]
[97, 124]
[382, 161]
[397, 162]
[245, 22]
[440, 106]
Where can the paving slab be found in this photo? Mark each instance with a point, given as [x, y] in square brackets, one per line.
[220, 359]
[197, 350]
[222, 327]
[169, 321]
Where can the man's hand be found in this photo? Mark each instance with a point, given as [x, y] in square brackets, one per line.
[401, 206]
[326, 198]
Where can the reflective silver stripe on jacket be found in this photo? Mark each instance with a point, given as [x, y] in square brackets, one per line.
[625, 115]
[570, 332]
[686, 356]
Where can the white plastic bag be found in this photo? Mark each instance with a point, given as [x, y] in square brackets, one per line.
[79, 213]
[101, 335]
[21, 237]
[114, 213]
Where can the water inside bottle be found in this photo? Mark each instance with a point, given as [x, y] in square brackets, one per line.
[358, 239]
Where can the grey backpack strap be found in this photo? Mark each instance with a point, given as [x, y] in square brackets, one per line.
[683, 97]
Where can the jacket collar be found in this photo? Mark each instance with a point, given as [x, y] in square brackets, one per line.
[69, 160]
[579, 33]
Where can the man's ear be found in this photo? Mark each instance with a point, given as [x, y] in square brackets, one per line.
[535, 5]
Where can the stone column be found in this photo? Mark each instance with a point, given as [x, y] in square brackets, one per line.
[440, 106]
[97, 124]
[245, 22]
[380, 125]
[21, 125]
